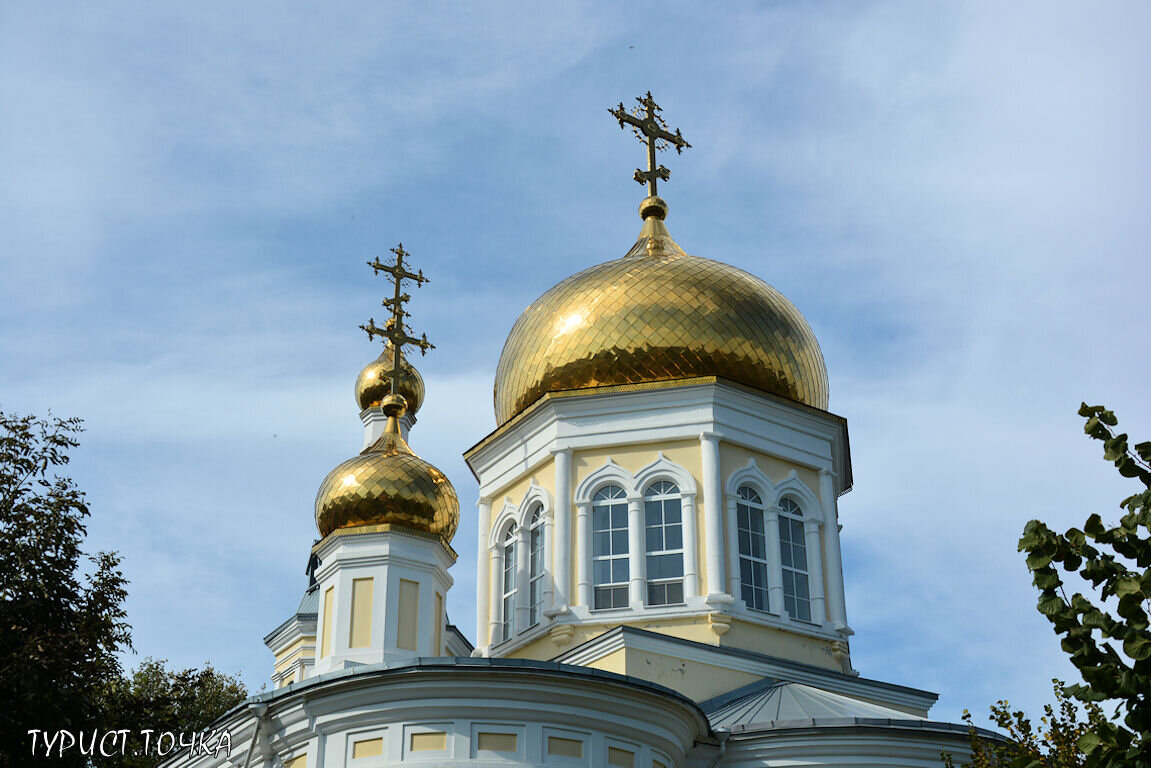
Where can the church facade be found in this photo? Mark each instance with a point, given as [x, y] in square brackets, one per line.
[659, 578]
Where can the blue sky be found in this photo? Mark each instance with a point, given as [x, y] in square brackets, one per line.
[956, 197]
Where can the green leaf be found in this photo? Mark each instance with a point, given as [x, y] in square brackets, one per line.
[1050, 604]
[1137, 647]
[1094, 526]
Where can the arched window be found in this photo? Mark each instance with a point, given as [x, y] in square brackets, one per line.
[536, 567]
[663, 537]
[609, 547]
[752, 548]
[507, 628]
[793, 554]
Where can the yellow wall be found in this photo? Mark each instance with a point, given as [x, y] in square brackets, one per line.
[686, 453]
[695, 680]
[360, 630]
[408, 629]
[326, 631]
[777, 642]
[288, 654]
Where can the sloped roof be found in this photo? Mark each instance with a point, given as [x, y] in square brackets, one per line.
[772, 702]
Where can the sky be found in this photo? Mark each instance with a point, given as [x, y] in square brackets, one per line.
[956, 196]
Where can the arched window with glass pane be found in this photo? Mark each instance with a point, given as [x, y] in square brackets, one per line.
[663, 537]
[793, 554]
[752, 548]
[508, 611]
[609, 547]
[536, 567]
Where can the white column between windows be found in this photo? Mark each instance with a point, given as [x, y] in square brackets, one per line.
[523, 544]
[561, 573]
[836, 602]
[731, 518]
[635, 552]
[690, 553]
[583, 554]
[774, 562]
[483, 571]
[814, 546]
[712, 512]
[495, 631]
[548, 564]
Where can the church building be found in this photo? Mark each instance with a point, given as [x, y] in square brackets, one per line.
[659, 579]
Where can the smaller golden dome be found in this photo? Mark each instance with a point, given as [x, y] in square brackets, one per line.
[374, 382]
[388, 484]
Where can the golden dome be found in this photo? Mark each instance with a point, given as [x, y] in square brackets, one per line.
[658, 314]
[388, 484]
[374, 382]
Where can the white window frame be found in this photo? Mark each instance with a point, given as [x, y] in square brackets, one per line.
[537, 572]
[599, 501]
[668, 491]
[509, 576]
[791, 521]
[755, 508]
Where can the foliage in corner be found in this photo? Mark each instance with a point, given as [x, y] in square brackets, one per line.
[1108, 640]
[162, 699]
[1053, 744]
[61, 621]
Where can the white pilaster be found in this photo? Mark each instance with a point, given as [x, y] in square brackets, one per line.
[712, 512]
[814, 547]
[731, 523]
[690, 553]
[483, 571]
[836, 602]
[583, 553]
[774, 561]
[496, 557]
[561, 544]
[635, 551]
[523, 544]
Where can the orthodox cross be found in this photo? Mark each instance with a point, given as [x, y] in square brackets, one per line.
[393, 329]
[650, 128]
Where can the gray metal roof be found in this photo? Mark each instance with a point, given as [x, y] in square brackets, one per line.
[310, 602]
[773, 702]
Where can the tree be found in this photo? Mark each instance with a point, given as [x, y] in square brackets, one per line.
[162, 699]
[1108, 642]
[60, 628]
[1054, 743]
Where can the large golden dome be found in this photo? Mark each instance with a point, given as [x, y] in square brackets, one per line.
[374, 382]
[658, 314]
[387, 484]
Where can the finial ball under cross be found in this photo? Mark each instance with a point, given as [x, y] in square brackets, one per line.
[650, 128]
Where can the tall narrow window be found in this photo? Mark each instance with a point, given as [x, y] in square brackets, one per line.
[793, 553]
[509, 586]
[609, 547]
[663, 537]
[536, 567]
[752, 548]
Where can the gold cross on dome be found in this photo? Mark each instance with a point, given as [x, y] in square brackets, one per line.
[650, 128]
[393, 329]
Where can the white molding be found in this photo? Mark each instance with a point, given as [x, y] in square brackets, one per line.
[535, 493]
[665, 469]
[762, 423]
[508, 515]
[804, 496]
[750, 474]
[610, 472]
